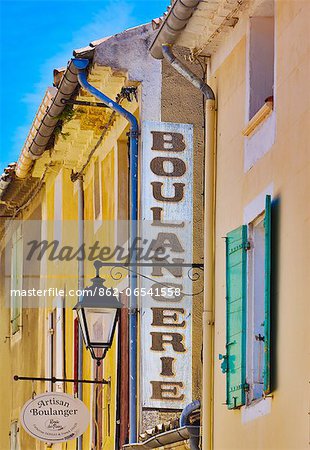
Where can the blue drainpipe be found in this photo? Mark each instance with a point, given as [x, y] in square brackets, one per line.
[184, 421]
[81, 65]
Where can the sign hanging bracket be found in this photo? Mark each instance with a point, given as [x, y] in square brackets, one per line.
[59, 380]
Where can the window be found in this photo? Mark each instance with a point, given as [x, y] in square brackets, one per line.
[256, 299]
[97, 200]
[76, 354]
[55, 348]
[261, 62]
[58, 207]
[247, 359]
[14, 436]
[16, 280]
[50, 353]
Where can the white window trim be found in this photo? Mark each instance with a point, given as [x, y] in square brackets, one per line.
[256, 409]
[115, 152]
[97, 220]
[54, 366]
[259, 142]
[59, 342]
[58, 207]
[250, 310]
[17, 336]
[16, 424]
[257, 205]
[49, 349]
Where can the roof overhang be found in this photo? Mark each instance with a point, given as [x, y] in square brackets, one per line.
[201, 25]
[173, 25]
[46, 121]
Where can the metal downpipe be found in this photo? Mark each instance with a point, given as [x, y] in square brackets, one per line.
[80, 287]
[186, 73]
[184, 421]
[209, 233]
[81, 65]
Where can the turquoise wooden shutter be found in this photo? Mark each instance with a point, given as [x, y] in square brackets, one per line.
[267, 224]
[236, 276]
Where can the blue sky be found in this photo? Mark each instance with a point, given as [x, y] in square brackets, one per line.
[39, 35]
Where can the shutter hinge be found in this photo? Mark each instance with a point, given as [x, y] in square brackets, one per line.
[259, 337]
[224, 365]
[247, 246]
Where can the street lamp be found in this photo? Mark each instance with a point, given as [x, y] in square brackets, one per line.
[97, 315]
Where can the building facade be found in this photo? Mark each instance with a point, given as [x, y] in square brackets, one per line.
[70, 187]
[219, 89]
[258, 68]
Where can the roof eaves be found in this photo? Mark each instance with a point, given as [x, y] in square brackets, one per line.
[173, 24]
[45, 121]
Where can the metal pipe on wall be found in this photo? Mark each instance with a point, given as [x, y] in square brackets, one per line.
[186, 72]
[184, 421]
[81, 65]
[209, 267]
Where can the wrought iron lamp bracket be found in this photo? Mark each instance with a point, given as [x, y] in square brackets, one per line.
[193, 275]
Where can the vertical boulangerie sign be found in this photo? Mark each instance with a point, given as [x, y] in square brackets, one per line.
[166, 287]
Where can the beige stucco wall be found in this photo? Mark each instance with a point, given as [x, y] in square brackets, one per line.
[285, 169]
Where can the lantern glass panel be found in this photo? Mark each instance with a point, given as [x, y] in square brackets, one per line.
[81, 318]
[100, 325]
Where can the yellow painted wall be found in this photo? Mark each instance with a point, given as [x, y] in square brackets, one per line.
[65, 274]
[5, 366]
[20, 354]
[104, 233]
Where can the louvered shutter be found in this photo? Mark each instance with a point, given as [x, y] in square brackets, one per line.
[267, 224]
[236, 275]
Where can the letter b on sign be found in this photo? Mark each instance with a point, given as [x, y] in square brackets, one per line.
[169, 142]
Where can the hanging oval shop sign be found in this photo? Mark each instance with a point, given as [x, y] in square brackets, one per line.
[55, 417]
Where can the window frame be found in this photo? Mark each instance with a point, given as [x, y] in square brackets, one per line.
[14, 431]
[58, 207]
[255, 216]
[251, 349]
[97, 218]
[259, 132]
[17, 268]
